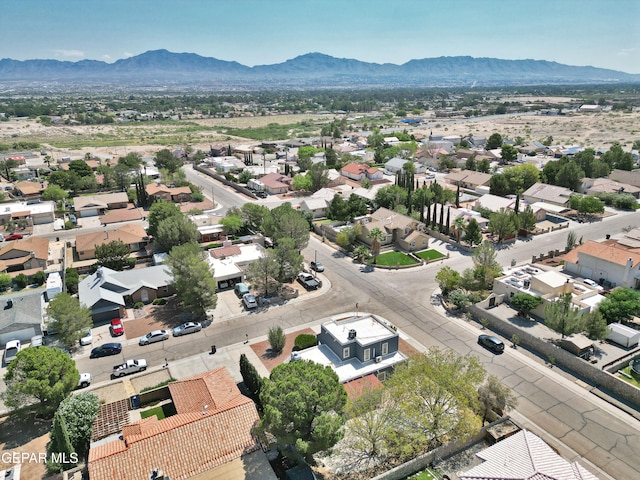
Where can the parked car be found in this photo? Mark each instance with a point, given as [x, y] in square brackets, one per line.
[591, 283]
[37, 341]
[116, 327]
[307, 281]
[153, 337]
[187, 328]
[492, 343]
[106, 350]
[87, 339]
[241, 289]
[317, 266]
[85, 380]
[11, 350]
[249, 301]
[261, 194]
[13, 236]
[129, 367]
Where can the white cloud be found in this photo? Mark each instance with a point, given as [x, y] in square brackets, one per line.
[128, 54]
[69, 53]
[106, 56]
[626, 51]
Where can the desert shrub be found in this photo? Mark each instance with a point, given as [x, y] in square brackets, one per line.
[305, 340]
[197, 197]
[159, 301]
[39, 278]
[277, 339]
[21, 280]
[68, 225]
[138, 305]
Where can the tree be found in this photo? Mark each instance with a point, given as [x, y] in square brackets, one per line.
[494, 141]
[174, 231]
[622, 303]
[232, 223]
[113, 255]
[499, 185]
[459, 225]
[164, 159]
[39, 277]
[615, 157]
[71, 280]
[78, 413]
[389, 197]
[484, 259]
[263, 272]
[42, 376]
[595, 326]
[562, 317]
[193, 278]
[55, 193]
[524, 303]
[60, 444]
[484, 165]
[495, 397]
[69, 319]
[376, 235]
[472, 233]
[277, 339]
[361, 252]
[508, 153]
[131, 160]
[458, 298]
[448, 280]
[288, 259]
[21, 280]
[80, 168]
[252, 380]
[435, 399]
[160, 211]
[319, 176]
[569, 175]
[253, 215]
[501, 224]
[303, 406]
[527, 219]
[302, 183]
[284, 221]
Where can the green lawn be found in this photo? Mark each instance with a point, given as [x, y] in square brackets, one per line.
[429, 255]
[424, 475]
[391, 259]
[161, 411]
[634, 380]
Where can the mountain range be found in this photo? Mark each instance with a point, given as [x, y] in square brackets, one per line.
[161, 67]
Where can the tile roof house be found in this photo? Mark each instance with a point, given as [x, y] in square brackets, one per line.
[158, 191]
[106, 292]
[632, 178]
[30, 189]
[402, 230]
[26, 256]
[318, 203]
[592, 186]
[359, 171]
[541, 192]
[92, 205]
[613, 263]
[468, 179]
[132, 235]
[212, 427]
[524, 456]
[276, 183]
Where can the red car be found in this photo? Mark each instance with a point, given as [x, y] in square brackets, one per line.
[116, 327]
[13, 236]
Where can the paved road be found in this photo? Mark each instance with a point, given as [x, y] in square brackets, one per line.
[550, 400]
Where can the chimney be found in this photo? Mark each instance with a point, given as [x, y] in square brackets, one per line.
[627, 272]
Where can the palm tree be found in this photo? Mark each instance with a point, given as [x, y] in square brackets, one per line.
[361, 252]
[376, 235]
[459, 224]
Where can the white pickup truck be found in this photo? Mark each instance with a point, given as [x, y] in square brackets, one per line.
[129, 367]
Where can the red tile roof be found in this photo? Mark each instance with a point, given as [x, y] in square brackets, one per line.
[358, 168]
[358, 387]
[605, 252]
[222, 252]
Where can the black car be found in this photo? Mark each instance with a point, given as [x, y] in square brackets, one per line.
[492, 343]
[106, 350]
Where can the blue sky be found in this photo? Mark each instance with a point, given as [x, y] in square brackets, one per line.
[600, 33]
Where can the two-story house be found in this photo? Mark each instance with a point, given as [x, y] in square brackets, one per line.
[158, 191]
[405, 232]
[360, 171]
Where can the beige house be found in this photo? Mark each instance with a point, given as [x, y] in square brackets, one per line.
[25, 256]
[92, 205]
[403, 231]
[132, 235]
[158, 191]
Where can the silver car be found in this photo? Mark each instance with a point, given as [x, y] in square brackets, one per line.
[187, 328]
[155, 336]
[87, 338]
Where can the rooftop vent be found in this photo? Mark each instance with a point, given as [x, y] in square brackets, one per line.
[352, 334]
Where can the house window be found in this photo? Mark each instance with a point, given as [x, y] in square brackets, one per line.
[413, 244]
[346, 352]
[367, 354]
[385, 348]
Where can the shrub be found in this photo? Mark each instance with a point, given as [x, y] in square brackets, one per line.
[159, 301]
[68, 225]
[197, 197]
[39, 278]
[21, 280]
[305, 340]
[459, 298]
[71, 279]
[138, 305]
[277, 339]
[131, 262]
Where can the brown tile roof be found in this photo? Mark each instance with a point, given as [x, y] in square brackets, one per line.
[38, 245]
[154, 188]
[358, 168]
[121, 215]
[215, 388]
[275, 180]
[358, 387]
[222, 252]
[127, 233]
[30, 188]
[185, 444]
[608, 253]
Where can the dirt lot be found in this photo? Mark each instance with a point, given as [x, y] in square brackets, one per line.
[153, 317]
[25, 436]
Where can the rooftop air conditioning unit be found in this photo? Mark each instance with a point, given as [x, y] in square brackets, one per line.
[352, 334]
[378, 359]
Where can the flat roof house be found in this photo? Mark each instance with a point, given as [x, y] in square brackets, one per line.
[34, 212]
[230, 261]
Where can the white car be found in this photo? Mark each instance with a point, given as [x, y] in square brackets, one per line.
[591, 283]
[153, 337]
[187, 328]
[249, 301]
[85, 380]
[11, 350]
[87, 339]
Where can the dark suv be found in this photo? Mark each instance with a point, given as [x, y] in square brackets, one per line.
[106, 350]
[492, 343]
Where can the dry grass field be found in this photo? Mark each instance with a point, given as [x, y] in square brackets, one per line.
[590, 129]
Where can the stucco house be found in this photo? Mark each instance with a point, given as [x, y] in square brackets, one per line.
[360, 171]
[26, 256]
[593, 186]
[276, 183]
[92, 205]
[132, 235]
[401, 230]
[33, 212]
[107, 292]
[541, 192]
[468, 179]
[229, 262]
[615, 264]
[159, 191]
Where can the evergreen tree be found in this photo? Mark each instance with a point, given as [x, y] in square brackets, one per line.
[448, 226]
[252, 380]
[60, 442]
[441, 224]
[458, 197]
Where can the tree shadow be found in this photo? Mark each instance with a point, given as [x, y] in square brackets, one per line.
[21, 427]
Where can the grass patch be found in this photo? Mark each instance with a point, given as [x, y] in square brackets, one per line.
[392, 259]
[273, 131]
[429, 254]
[426, 474]
[631, 377]
[161, 411]
[161, 384]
